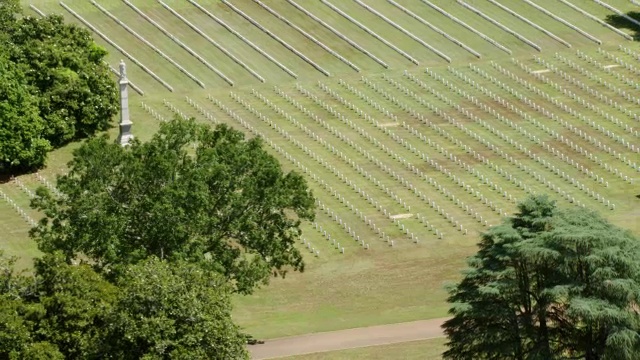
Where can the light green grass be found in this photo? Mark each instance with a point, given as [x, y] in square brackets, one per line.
[416, 350]
[383, 284]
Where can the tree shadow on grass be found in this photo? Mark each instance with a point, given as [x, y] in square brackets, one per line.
[623, 22]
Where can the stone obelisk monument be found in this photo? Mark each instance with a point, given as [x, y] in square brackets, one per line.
[125, 136]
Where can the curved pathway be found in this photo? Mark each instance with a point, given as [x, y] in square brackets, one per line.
[347, 339]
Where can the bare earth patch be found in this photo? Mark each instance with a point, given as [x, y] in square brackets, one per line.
[348, 339]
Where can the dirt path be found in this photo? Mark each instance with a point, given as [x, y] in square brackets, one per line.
[347, 339]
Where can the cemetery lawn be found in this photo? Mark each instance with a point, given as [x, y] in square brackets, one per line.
[430, 349]
[383, 284]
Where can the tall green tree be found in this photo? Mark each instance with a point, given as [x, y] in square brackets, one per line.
[20, 313]
[195, 193]
[22, 141]
[548, 284]
[56, 87]
[173, 311]
[76, 303]
[77, 96]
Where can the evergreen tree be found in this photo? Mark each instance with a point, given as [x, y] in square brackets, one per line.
[548, 284]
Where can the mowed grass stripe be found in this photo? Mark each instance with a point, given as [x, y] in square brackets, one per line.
[334, 31]
[130, 44]
[101, 37]
[250, 16]
[358, 35]
[165, 47]
[245, 41]
[180, 43]
[275, 49]
[211, 41]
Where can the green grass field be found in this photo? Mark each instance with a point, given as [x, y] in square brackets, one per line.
[445, 154]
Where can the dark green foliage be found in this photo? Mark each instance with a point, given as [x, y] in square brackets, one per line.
[173, 311]
[192, 192]
[548, 284]
[76, 303]
[76, 95]
[22, 142]
[155, 310]
[55, 87]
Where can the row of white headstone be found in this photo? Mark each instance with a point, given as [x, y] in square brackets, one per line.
[523, 150]
[329, 147]
[619, 61]
[583, 134]
[600, 66]
[148, 43]
[174, 109]
[118, 47]
[370, 32]
[592, 139]
[345, 158]
[281, 151]
[378, 163]
[152, 112]
[218, 46]
[404, 31]
[531, 23]
[23, 214]
[492, 147]
[369, 100]
[439, 130]
[519, 128]
[598, 79]
[630, 145]
[544, 162]
[332, 169]
[557, 136]
[180, 43]
[207, 115]
[578, 82]
[423, 156]
[327, 235]
[408, 165]
[618, 12]
[48, 184]
[597, 19]
[411, 148]
[435, 28]
[361, 192]
[588, 104]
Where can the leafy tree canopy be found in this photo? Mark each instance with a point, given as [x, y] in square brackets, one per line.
[195, 193]
[154, 310]
[60, 90]
[548, 284]
[22, 142]
[173, 311]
